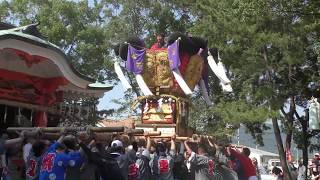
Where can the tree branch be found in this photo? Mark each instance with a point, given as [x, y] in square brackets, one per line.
[284, 113]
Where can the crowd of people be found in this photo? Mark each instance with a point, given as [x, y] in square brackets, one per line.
[77, 157]
[299, 171]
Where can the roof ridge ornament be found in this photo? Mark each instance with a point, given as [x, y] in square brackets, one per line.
[30, 29]
[23, 27]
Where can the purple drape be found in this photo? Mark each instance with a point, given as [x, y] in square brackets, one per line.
[173, 54]
[135, 59]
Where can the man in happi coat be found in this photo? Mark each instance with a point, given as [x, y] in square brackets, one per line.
[162, 163]
[206, 167]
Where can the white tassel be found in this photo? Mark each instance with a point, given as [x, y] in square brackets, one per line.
[185, 88]
[143, 86]
[223, 71]
[226, 87]
[160, 102]
[146, 107]
[121, 76]
[204, 92]
[216, 70]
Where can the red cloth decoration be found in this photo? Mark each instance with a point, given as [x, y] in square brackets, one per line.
[31, 89]
[182, 68]
[184, 63]
[41, 119]
[44, 85]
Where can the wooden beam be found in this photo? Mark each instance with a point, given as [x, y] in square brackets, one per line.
[155, 125]
[28, 106]
[58, 129]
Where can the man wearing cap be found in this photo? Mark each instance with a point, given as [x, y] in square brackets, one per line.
[123, 158]
[162, 163]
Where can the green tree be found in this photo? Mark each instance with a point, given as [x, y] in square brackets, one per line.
[267, 48]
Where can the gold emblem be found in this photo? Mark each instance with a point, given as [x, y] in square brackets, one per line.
[139, 65]
[134, 56]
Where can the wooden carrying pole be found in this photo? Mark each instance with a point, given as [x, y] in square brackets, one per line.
[58, 129]
[101, 133]
[151, 133]
[178, 138]
[109, 136]
[100, 136]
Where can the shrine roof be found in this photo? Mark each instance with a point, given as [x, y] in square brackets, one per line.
[33, 37]
[13, 34]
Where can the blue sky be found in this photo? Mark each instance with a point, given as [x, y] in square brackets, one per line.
[116, 93]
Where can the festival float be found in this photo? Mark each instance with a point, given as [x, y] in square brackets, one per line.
[167, 78]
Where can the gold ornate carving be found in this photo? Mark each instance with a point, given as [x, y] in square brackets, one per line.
[157, 72]
[193, 71]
